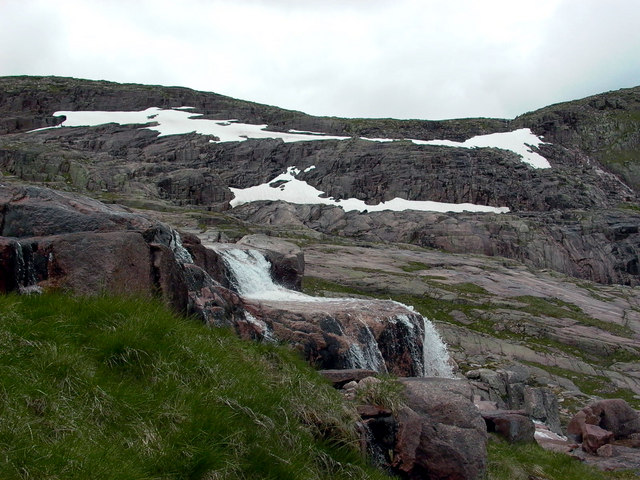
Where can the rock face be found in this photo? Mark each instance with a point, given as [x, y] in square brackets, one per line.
[63, 241]
[567, 218]
[441, 434]
[600, 246]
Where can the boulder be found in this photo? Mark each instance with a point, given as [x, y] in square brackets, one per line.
[614, 415]
[605, 450]
[594, 437]
[441, 434]
[541, 404]
[91, 263]
[514, 426]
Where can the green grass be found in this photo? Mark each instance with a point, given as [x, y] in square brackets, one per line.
[111, 388]
[415, 267]
[591, 384]
[556, 308]
[528, 461]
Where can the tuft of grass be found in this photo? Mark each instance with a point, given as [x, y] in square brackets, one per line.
[528, 461]
[116, 388]
[387, 393]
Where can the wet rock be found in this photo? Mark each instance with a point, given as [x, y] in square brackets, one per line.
[372, 334]
[441, 434]
[207, 259]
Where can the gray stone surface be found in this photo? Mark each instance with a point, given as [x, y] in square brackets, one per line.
[441, 434]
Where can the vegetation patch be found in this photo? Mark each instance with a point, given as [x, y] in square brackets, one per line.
[415, 267]
[115, 388]
[555, 308]
[387, 393]
[594, 385]
[528, 461]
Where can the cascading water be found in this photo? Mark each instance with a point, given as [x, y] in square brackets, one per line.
[250, 275]
[435, 354]
[181, 253]
[24, 270]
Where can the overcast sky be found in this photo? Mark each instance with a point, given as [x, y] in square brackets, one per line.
[359, 58]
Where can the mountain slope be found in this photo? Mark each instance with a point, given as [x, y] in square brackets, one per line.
[552, 285]
[592, 238]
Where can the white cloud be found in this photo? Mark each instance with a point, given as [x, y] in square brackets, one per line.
[406, 58]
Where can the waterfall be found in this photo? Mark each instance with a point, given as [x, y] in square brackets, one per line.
[435, 353]
[181, 253]
[250, 275]
[24, 269]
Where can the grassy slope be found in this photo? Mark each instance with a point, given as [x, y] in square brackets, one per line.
[122, 389]
[111, 388]
[527, 461]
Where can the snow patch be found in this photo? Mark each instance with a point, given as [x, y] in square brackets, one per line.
[518, 141]
[176, 121]
[289, 189]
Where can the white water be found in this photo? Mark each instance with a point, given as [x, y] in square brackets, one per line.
[251, 278]
[181, 253]
[251, 273]
[435, 354]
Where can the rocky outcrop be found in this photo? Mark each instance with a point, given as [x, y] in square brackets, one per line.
[377, 335]
[441, 434]
[510, 391]
[605, 127]
[563, 218]
[59, 241]
[54, 240]
[600, 246]
[613, 415]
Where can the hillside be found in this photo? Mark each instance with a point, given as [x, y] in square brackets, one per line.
[519, 238]
[117, 388]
